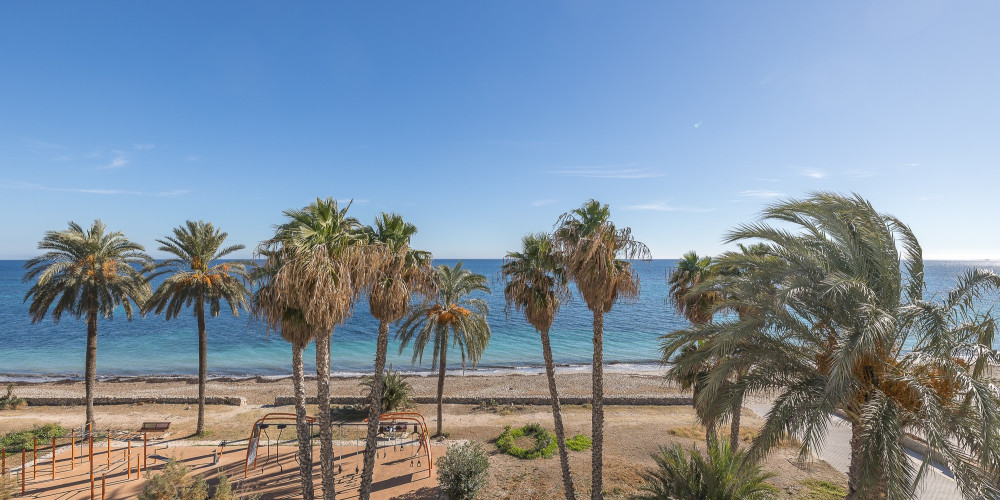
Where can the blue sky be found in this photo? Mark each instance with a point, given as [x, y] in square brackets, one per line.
[481, 121]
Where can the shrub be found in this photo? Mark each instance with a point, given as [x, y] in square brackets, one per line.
[462, 472]
[395, 391]
[174, 483]
[823, 490]
[579, 442]
[8, 487]
[10, 401]
[545, 442]
[25, 440]
[724, 475]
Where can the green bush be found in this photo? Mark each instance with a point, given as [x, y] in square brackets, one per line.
[463, 471]
[395, 391]
[579, 442]
[545, 442]
[25, 440]
[724, 474]
[8, 487]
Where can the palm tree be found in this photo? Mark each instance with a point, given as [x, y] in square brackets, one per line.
[197, 277]
[725, 474]
[697, 305]
[401, 273]
[271, 306]
[535, 285]
[87, 274]
[840, 324]
[325, 269]
[450, 310]
[595, 256]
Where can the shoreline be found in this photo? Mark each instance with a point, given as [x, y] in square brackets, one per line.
[637, 368]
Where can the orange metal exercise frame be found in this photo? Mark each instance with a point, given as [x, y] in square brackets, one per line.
[414, 417]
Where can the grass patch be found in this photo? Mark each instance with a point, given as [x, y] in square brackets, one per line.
[545, 442]
[349, 413]
[25, 440]
[823, 490]
[688, 431]
[579, 442]
[492, 406]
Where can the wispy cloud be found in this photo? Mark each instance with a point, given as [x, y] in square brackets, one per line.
[862, 174]
[624, 171]
[145, 146]
[660, 206]
[354, 201]
[119, 160]
[697, 125]
[906, 165]
[192, 158]
[542, 203]
[761, 193]
[815, 173]
[25, 186]
[765, 179]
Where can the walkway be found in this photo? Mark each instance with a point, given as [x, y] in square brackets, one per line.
[836, 451]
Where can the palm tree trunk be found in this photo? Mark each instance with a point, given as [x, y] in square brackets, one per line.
[854, 470]
[734, 425]
[202, 364]
[325, 429]
[91, 363]
[441, 361]
[597, 417]
[301, 426]
[550, 372]
[374, 410]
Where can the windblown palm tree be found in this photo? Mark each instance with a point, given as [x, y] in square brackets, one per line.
[401, 273]
[272, 307]
[697, 305]
[595, 256]
[197, 277]
[326, 267]
[535, 285]
[87, 274]
[839, 324]
[450, 313]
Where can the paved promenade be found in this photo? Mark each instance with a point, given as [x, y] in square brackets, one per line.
[836, 451]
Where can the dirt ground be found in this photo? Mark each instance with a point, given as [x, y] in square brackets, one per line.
[632, 434]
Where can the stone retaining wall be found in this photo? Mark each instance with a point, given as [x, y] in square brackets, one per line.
[622, 401]
[212, 400]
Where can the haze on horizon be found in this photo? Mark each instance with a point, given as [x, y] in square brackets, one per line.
[481, 122]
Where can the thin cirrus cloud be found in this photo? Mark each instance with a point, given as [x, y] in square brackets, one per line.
[25, 186]
[542, 203]
[624, 171]
[660, 206]
[814, 173]
[120, 160]
[761, 194]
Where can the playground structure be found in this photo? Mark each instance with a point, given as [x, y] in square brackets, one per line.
[114, 464]
[394, 431]
[63, 455]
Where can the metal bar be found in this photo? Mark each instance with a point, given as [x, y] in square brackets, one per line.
[53, 458]
[34, 466]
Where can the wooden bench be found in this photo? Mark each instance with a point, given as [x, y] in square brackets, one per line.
[159, 428]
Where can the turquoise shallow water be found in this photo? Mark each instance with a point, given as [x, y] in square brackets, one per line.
[237, 347]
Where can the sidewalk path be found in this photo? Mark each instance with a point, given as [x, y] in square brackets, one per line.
[836, 451]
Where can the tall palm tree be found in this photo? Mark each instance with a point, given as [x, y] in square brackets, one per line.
[402, 272]
[450, 311]
[840, 324]
[596, 257]
[273, 308]
[326, 268]
[536, 286]
[87, 274]
[197, 277]
[697, 305]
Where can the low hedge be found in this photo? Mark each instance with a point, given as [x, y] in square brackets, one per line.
[545, 442]
[579, 442]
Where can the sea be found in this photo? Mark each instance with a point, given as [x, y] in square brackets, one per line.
[151, 346]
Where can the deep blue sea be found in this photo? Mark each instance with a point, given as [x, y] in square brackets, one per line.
[238, 347]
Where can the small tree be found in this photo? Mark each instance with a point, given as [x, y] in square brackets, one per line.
[463, 471]
[174, 484]
[395, 390]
